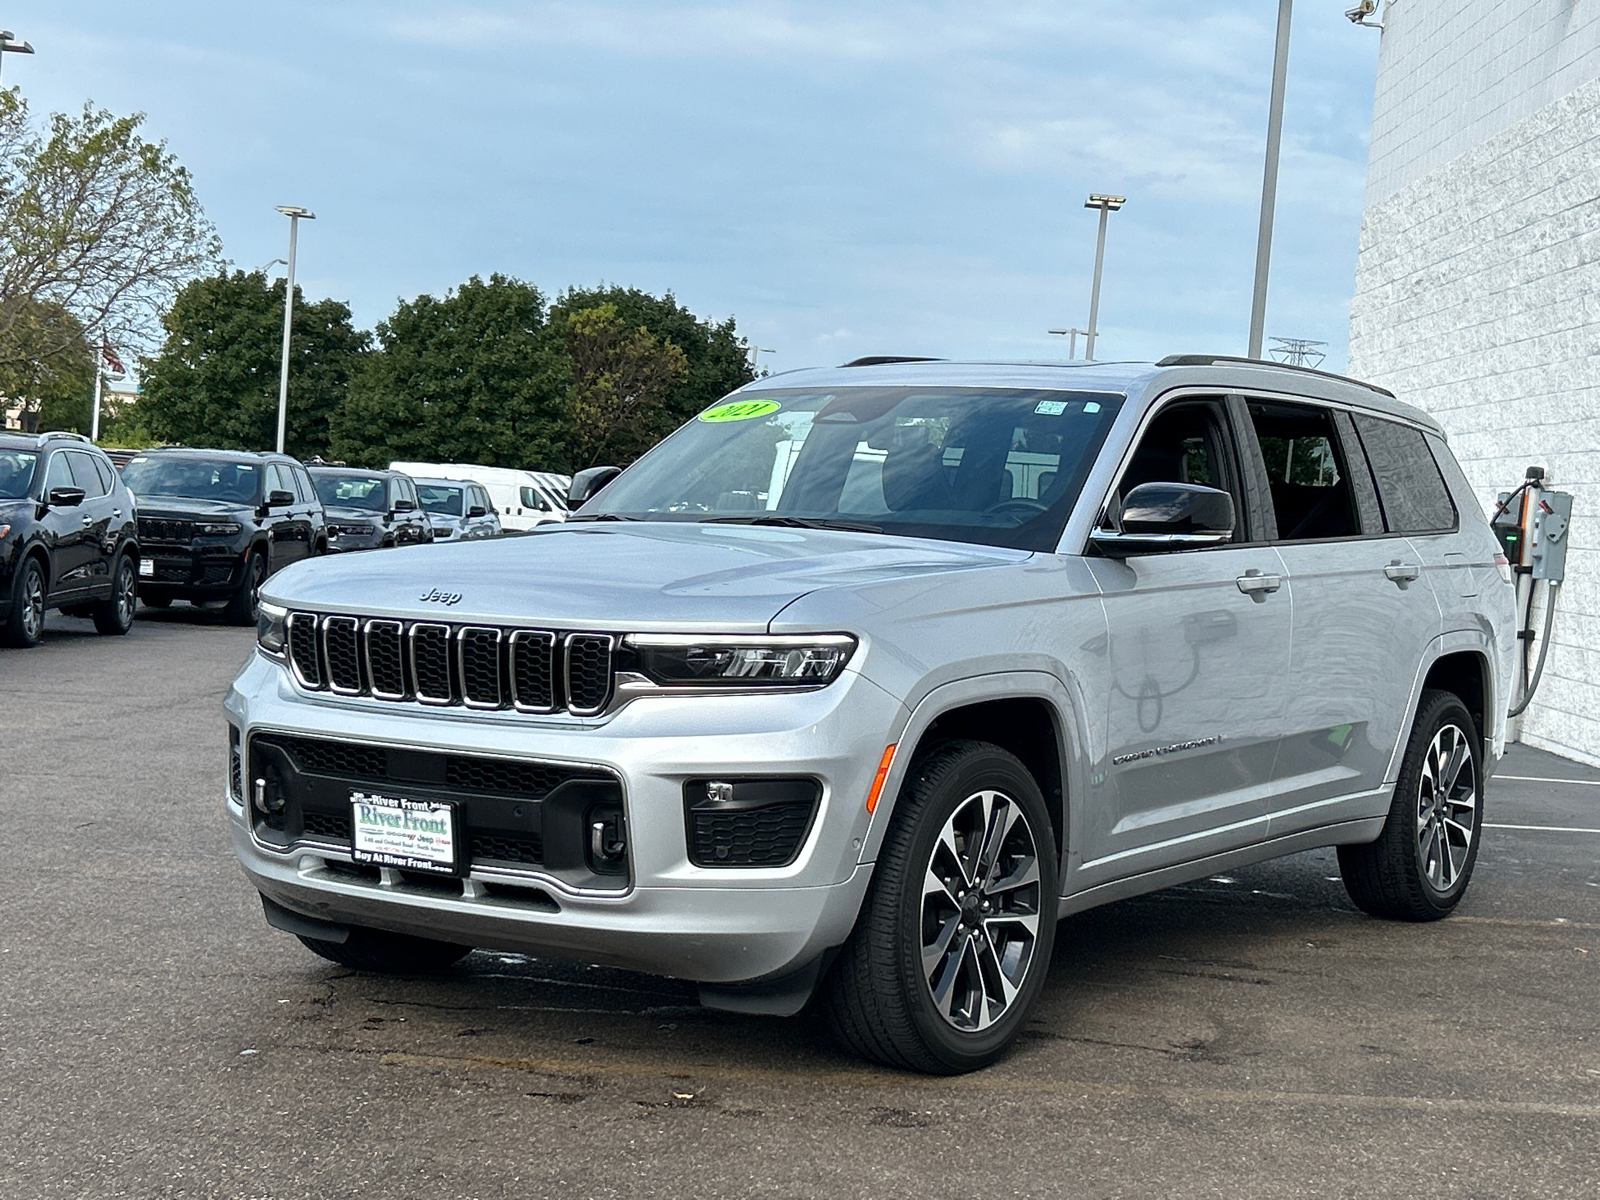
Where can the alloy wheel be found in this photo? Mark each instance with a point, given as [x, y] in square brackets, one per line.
[33, 604]
[1447, 808]
[127, 593]
[980, 910]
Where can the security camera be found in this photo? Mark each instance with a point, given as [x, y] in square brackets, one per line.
[1359, 14]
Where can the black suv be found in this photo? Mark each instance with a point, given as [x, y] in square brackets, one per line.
[370, 510]
[215, 523]
[68, 537]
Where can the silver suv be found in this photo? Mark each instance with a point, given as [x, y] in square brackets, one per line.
[860, 680]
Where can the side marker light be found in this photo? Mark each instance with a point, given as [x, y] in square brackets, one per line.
[884, 764]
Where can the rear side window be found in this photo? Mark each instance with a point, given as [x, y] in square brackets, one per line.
[84, 475]
[1311, 492]
[1411, 490]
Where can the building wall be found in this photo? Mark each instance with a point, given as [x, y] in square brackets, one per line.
[1477, 292]
[1454, 73]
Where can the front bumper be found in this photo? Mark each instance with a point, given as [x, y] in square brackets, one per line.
[668, 916]
[202, 570]
[360, 540]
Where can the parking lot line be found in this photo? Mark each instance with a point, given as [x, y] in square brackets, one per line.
[1541, 828]
[1548, 779]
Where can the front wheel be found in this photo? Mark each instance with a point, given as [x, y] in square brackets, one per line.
[114, 616]
[954, 939]
[242, 607]
[25, 626]
[1420, 866]
[387, 953]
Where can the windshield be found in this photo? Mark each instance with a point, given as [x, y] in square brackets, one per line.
[991, 465]
[16, 473]
[437, 498]
[352, 491]
[194, 479]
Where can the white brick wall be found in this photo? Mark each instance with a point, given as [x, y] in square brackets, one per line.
[1477, 297]
[1453, 73]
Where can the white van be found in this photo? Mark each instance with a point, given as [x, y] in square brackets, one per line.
[524, 499]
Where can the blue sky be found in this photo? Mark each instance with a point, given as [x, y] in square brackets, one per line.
[843, 178]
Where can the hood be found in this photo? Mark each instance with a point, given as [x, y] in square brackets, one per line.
[635, 576]
[156, 505]
[339, 512]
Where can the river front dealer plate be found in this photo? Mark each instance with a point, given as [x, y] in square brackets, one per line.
[410, 835]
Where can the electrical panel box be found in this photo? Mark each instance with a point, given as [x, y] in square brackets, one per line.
[1548, 546]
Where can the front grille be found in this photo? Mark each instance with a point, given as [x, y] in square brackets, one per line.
[476, 666]
[333, 826]
[235, 765]
[506, 849]
[216, 572]
[763, 837]
[163, 529]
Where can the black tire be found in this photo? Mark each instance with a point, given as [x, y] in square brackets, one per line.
[241, 608]
[24, 627]
[114, 616]
[385, 953]
[159, 600]
[878, 998]
[1420, 866]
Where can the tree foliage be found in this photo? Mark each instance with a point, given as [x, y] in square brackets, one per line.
[621, 380]
[97, 223]
[466, 378]
[215, 380]
[52, 369]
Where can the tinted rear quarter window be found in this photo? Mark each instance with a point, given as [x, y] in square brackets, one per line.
[1410, 487]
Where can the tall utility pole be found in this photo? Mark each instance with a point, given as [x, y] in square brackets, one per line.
[1107, 205]
[7, 46]
[294, 213]
[1269, 180]
[1072, 336]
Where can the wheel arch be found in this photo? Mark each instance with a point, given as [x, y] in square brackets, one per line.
[1461, 663]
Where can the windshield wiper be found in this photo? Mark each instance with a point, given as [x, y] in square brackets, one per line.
[797, 523]
[606, 517]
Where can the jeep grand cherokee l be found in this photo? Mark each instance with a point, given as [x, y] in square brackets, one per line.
[864, 677]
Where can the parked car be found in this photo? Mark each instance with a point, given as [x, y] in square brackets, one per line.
[860, 680]
[521, 499]
[459, 511]
[215, 524]
[370, 510]
[68, 536]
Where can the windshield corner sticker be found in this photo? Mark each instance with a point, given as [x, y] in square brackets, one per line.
[740, 410]
[1050, 408]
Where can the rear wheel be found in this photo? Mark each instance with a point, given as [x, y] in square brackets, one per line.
[386, 953]
[25, 626]
[114, 616]
[1420, 866]
[954, 939]
[241, 608]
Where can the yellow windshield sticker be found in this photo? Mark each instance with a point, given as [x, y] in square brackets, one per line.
[740, 410]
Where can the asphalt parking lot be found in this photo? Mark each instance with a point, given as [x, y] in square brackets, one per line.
[1249, 1036]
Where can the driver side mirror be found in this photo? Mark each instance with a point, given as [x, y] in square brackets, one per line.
[65, 497]
[401, 506]
[1159, 518]
[477, 510]
[586, 485]
[280, 499]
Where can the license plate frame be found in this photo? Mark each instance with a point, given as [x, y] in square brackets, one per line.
[405, 832]
[147, 568]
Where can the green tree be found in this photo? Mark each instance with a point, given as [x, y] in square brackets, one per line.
[51, 369]
[468, 378]
[215, 380]
[716, 358]
[95, 222]
[622, 381]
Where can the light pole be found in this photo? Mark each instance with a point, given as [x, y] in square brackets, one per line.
[1269, 179]
[1072, 340]
[7, 46]
[294, 213]
[1107, 205]
[755, 356]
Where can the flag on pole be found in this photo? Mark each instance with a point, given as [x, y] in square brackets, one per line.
[110, 357]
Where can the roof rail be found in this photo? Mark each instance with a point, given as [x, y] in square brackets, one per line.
[1207, 360]
[61, 433]
[877, 360]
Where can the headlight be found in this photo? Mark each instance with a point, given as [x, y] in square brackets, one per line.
[270, 628]
[217, 528]
[348, 530]
[740, 662]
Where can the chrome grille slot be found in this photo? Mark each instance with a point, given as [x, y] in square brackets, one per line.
[303, 651]
[478, 657]
[533, 674]
[430, 664]
[588, 673]
[386, 672]
[341, 650]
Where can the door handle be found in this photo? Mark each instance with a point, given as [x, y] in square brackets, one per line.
[1258, 586]
[88, 521]
[1402, 573]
